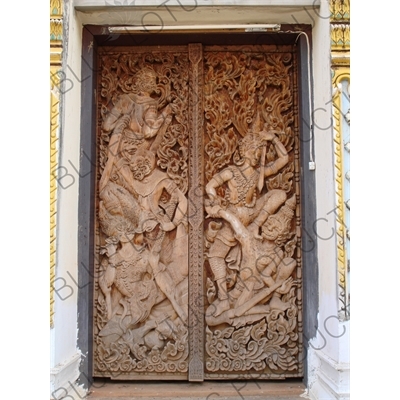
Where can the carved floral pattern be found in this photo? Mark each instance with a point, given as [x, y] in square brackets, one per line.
[256, 347]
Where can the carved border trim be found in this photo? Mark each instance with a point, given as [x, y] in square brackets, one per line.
[56, 21]
[340, 25]
[340, 36]
[55, 63]
[298, 213]
[195, 216]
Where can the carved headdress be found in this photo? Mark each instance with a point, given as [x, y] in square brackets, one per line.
[250, 141]
[145, 80]
[278, 226]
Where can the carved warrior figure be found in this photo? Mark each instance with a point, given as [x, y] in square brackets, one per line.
[142, 212]
[149, 186]
[266, 275]
[243, 180]
[149, 271]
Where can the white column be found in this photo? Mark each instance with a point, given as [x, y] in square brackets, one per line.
[328, 356]
[65, 356]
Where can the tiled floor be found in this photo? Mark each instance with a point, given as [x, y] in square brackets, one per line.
[210, 390]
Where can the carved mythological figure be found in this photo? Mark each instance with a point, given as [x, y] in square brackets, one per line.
[133, 120]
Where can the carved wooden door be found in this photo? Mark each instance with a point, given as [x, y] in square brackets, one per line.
[198, 261]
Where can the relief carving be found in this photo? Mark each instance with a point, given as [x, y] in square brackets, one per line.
[142, 213]
[170, 124]
[250, 234]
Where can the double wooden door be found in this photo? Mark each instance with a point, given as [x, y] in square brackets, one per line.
[198, 261]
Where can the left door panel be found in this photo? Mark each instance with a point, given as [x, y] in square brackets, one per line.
[141, 252]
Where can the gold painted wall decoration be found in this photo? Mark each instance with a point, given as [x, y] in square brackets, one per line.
[56, 28]
[340, 55]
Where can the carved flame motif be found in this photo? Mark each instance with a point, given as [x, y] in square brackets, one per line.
[244, 92]
[251, 202]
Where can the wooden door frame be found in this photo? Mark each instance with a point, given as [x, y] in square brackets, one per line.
[94, 36]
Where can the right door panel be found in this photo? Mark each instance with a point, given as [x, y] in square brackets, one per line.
[252, 255]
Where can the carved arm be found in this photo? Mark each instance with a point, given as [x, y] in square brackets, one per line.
[179, 202]
[153, 122]
[216, 181]
[122, 107]
[280, 162]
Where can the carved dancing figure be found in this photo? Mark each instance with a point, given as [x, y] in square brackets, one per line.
[133, 121]
[244, 180]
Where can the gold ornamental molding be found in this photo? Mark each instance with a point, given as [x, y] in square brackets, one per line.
[341, 137]
[340, 59]
[56, 21]
[54, 126]
[340, 10]
[340, 25]
[56, 27]
[340, 36]
[56, 31]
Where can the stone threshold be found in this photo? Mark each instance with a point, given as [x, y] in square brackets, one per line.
[217, 390]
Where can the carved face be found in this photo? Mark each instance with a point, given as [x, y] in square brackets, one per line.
[253, 155]
[273, 228]
[142, 165]
[130, 146]
[126, 237]
[250, 149]
[146, 81]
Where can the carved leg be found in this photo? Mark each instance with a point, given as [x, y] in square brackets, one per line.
[246, 294]
[254, 227]
[105, 283]
[166, 284]
[163, 279]
[219, 269]
[285, 269]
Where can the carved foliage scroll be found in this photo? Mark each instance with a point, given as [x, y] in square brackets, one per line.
[252, 205]
[141, 291]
